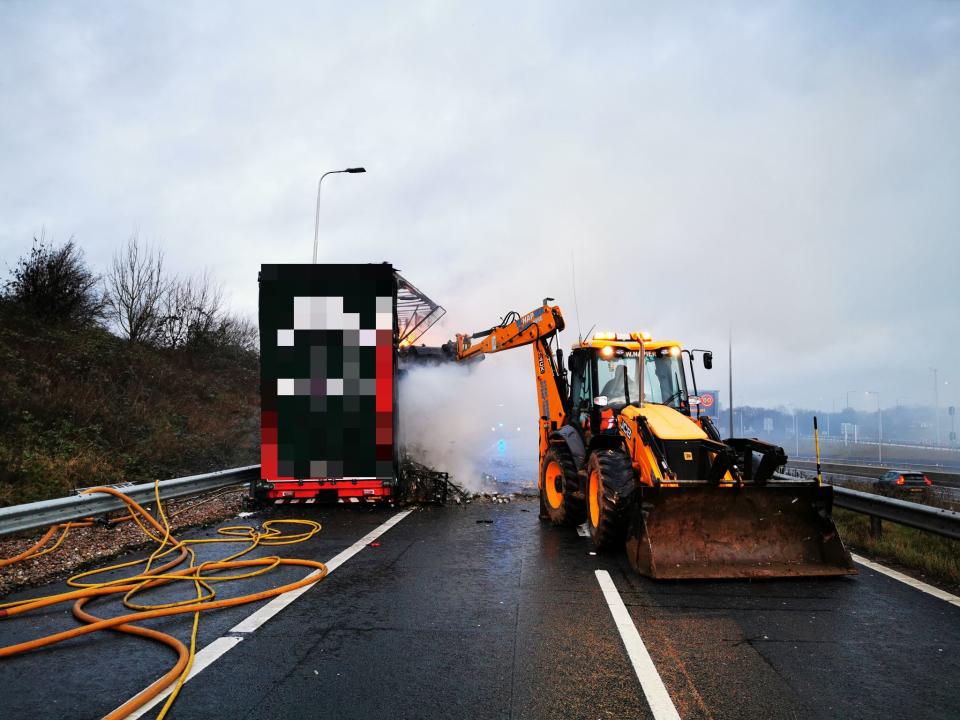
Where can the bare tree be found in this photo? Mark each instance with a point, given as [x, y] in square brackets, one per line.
[135, 289]
[148, 306]
[240, 333]
[191, 309]
[174, 315]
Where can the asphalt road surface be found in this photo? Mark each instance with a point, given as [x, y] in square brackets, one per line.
[449, 617]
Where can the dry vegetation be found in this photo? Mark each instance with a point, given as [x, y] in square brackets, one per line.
[928, 556]
[920, 554]
[83, 403]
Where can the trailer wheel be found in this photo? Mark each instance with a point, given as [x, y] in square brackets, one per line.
[609, 486]
[560, 496]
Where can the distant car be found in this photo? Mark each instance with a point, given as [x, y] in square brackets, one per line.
[905, 480]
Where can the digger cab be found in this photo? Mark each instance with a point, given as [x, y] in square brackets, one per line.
[605, 376]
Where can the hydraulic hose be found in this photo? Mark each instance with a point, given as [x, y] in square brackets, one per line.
[172, 552]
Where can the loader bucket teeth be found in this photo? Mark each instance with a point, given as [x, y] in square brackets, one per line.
[708, 532]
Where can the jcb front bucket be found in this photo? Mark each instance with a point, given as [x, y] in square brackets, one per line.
[727, 532]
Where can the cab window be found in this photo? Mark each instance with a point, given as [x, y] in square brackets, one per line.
[617, 378]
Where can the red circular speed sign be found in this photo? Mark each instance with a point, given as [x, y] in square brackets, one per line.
[706, 400]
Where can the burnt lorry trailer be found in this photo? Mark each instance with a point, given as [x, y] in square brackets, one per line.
[329, 342]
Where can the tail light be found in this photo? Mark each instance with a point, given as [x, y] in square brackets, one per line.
[900, 480]
[926, 480]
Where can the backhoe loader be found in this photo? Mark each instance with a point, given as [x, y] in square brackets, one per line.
[624, 447]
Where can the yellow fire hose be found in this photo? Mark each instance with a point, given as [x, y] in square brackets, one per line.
[200, 575]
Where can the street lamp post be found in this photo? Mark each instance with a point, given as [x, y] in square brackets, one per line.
[316, 221]
[796, 432]
[879, 425]
[936, 402]
[730, 371]
[848, 407]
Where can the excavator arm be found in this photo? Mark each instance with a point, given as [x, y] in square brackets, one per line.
[536, 328]
[513, 331]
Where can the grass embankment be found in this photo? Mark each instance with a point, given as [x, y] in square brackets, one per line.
[928, 556]
[80, 406]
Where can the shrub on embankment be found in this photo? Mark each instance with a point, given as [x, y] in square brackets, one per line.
[81, 406]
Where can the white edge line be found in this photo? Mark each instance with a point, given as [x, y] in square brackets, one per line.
[258, 618]
[654, 690]
[907, 580]
[219, 647]
[204, 658]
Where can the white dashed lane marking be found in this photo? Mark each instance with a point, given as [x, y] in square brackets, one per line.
[653, 688]
[222, 645]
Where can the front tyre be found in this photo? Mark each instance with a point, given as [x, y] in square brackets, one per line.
[560, 497]
[609, 486]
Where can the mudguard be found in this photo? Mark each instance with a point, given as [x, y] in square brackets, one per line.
[571, 438]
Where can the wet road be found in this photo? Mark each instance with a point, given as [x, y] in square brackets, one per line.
[451, 617]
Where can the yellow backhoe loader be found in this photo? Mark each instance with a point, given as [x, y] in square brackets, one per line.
[624, 447]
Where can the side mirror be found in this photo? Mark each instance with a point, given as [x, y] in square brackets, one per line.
[693, 400]
[708, 360]
[600, 400]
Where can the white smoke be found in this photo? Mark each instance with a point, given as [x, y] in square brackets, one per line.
[476, 422]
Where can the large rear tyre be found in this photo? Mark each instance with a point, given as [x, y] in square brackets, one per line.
[560, 496]
[609, 486]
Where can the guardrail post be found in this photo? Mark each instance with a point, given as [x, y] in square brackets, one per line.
[876, 527]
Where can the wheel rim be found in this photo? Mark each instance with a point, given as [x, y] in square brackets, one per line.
[594, 499]
[552, 484]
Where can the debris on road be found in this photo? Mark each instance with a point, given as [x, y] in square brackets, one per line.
[420, 484]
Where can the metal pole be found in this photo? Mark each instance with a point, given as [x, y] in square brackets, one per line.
[730, 368]
[816, 445]
[796, 432]
[641, 373]
[879, 425]
[936, 403]
[316, 219]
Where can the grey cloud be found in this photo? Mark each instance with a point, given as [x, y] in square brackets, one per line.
[789, 169]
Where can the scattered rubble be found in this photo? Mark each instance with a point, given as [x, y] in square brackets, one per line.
[419, 484]
[495, 498]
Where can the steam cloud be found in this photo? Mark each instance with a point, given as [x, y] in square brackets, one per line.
[478, 423]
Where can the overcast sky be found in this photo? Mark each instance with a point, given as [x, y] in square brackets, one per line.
[788, 169]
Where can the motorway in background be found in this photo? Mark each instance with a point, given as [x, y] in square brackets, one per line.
[484, 612]
[938, 476]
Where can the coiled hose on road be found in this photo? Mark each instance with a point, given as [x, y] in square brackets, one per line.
[201, 575]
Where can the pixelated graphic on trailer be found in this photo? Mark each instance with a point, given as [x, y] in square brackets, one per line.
[327, 363]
